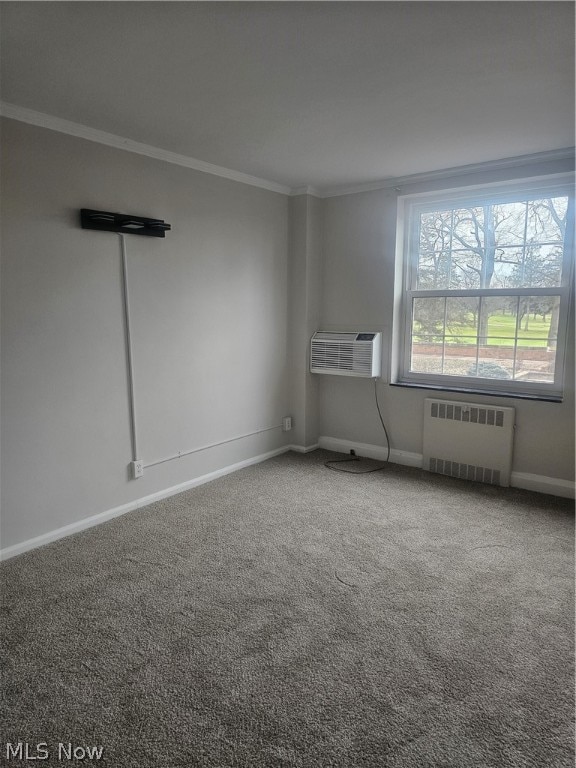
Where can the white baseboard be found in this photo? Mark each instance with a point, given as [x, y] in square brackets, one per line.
[542, 484]
[303, 448]
[102, 517]
[529, 482]
[371, 451]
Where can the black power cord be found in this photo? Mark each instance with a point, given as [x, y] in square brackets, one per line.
[328, 464]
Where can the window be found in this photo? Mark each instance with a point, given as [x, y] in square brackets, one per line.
[484, 289]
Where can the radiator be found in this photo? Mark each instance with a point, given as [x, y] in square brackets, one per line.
[468, 440]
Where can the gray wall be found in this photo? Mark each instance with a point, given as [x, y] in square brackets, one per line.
[305, 248]
[222, 312]
[358, 289]
[209, 315]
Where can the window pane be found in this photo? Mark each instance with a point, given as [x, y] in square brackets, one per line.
[507, 268]
[518, 337]
[504, 245]
[538, 321]
[435, 229]
[465, 270]
[542, 267]
[495, 360]
[434, 250]
[495, 337]
[547, 220]
[427, 335]
[535, 367]
[508, 223]
[426, 354]
[537, 338]
[498, 320]
[462, 320]
[434, 270]
[461, 336]
[468, 228]
[428, 317]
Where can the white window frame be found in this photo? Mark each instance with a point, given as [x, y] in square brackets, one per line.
[409, 209]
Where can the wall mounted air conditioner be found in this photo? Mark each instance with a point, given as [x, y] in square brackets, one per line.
[346, 354]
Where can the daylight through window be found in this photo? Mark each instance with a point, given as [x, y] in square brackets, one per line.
[487, 283]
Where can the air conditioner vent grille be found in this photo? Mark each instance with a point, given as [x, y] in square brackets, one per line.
[328, 336]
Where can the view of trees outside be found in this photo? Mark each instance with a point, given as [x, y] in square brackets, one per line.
[503, 246]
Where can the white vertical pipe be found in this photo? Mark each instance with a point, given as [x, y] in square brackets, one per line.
[129, 362]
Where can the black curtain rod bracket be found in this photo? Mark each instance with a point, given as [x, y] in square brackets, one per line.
[122, 223]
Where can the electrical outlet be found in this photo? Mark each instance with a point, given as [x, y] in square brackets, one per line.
[286, 423]
[137, 468]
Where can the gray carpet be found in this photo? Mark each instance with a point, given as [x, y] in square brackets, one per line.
[287, 615]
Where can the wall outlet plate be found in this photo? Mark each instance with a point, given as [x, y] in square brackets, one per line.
[286, 423]
[137, 468]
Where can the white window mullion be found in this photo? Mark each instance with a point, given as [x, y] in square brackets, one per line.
[552, 291]
[408, 334]
[524, 247]
[516, 337]
[444, 334]
[478, 331]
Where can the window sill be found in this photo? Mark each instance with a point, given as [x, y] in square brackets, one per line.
[471, 391]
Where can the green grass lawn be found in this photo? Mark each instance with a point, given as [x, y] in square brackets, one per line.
[501, 332]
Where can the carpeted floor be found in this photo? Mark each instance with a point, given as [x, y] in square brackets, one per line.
[287, 615]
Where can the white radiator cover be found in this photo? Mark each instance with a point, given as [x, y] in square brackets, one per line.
[468, 440]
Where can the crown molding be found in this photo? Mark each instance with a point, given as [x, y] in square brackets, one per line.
[308, 190]
[43, 120]
[566, 153]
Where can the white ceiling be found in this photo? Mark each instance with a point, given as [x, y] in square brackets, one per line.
[299, 93]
